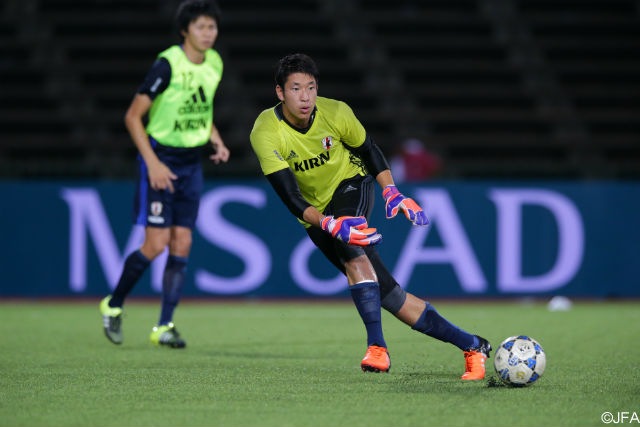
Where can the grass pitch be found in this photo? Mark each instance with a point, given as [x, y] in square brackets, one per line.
[297, 364]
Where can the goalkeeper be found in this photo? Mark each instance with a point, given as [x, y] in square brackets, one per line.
[323, 165]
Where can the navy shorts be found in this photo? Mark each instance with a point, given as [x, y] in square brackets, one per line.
[161, 208]
[354, 197]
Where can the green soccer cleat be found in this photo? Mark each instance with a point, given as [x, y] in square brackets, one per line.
[167, 335]
[111, 319]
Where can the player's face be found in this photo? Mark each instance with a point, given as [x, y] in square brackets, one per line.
[201, 33]
[298, 98]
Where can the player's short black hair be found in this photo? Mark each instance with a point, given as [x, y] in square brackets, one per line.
[190, 10]
[295, 63]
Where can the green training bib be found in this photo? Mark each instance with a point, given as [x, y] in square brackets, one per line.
[182, 115]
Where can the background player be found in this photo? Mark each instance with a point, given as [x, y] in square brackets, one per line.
[178, 94]
[322, 164]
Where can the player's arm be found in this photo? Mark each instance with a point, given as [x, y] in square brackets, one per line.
[286, 187]
[155, 82]
[356, 139]
[220, 151]
[160, 176]
[395, 201]
[351, 230]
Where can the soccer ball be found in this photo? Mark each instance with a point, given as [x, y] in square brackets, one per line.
[520, 361]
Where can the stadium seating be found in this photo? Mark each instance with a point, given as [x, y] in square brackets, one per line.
[528, 88]
[593, 47]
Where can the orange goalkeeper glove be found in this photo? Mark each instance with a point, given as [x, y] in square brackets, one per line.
[352, 230]
[396, 201]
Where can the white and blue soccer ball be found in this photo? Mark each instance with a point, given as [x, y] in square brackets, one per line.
[520, 361]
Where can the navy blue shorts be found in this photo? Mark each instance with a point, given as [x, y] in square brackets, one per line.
[354, 197]
[161, 208]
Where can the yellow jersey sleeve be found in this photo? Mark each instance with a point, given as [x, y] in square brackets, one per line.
[353, 133]
[267, 144]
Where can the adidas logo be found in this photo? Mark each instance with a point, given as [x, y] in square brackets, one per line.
[292, 155]
[349, 188]
[195, 104]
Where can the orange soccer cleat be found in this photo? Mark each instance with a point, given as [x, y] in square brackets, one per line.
[474, 360]
[376, 360]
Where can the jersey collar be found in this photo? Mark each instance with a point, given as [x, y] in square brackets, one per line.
[280, 116]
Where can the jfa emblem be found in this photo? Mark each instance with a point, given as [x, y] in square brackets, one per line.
[327, 142]
[156, 208]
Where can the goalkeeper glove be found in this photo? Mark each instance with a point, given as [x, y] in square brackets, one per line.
[351, 229]
[396, 201]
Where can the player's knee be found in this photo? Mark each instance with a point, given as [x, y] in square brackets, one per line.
[181, 244]
[154, 244]
[359, 269]
[394, 300]
[152, 249]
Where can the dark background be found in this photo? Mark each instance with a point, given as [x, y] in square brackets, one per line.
[496, 88]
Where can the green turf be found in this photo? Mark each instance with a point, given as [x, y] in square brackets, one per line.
[253, 364]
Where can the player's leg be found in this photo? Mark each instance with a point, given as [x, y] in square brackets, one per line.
[152, 209]
[175, 272]
[423, 317]
[135, 265]
[155, 241]
[355, 197]
[352, 198]
[364, 291]
[186, 200]
[413, 311]
[174, 277]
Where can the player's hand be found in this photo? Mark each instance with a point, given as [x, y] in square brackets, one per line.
[352, 230]
[220, 152]
[161, 177]
[395, 202]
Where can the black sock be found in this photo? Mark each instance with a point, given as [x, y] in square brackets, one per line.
[366, 296]
[175, 274]
[436, 326]
[134, 267]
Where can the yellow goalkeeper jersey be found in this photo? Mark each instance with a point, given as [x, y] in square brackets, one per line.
[318, 157]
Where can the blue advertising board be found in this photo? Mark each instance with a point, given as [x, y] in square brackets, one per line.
[486, 239]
